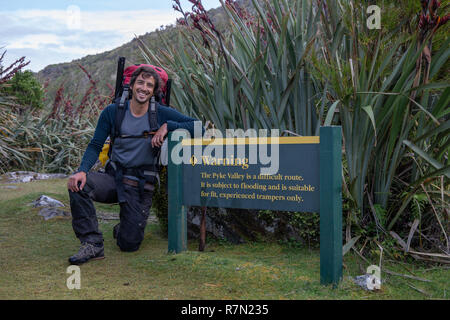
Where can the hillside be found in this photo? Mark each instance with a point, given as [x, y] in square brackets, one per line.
[102, 67]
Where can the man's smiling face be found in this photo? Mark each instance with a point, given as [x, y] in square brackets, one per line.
[142, 88]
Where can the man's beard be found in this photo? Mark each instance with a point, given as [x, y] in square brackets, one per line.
[146, 100]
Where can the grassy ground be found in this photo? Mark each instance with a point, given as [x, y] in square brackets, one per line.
[34, 252]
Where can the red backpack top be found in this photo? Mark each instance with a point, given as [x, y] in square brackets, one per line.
[162, 74]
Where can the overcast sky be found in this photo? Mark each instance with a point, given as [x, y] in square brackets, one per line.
[55, 31]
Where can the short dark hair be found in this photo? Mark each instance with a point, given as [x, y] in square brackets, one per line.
[147, 72]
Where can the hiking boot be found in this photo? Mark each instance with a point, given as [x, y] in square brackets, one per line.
[87, 252]
[116, 230]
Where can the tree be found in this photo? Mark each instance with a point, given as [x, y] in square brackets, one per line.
[26, 89]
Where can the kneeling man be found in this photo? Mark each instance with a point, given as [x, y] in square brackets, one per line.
[131, 172]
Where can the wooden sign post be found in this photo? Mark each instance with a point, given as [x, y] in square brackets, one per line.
[308, 179]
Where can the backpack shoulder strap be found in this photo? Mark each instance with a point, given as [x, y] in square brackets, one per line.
[168, 89]
[120, 112]
[153, 115]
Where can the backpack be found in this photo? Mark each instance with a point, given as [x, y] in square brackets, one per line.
[124, 76]
[122, 94]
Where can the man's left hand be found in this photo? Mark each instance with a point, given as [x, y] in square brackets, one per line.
[159, 136]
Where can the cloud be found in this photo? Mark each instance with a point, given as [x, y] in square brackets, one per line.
[63, 35]
[35, 41]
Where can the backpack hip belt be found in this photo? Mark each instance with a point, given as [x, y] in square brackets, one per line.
[147, 176]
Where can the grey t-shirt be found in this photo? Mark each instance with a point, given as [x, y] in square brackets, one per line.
[133, 152]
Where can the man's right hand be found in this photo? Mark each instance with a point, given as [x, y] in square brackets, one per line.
[74, 180]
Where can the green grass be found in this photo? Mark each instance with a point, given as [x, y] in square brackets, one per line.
[34, 252]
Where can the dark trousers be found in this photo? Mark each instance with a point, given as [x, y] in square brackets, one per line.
[101, 187]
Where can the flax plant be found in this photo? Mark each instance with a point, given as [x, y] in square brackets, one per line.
[37, 142]
[296, 65]
[371, 77]
[254, 75]
[49, 140]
